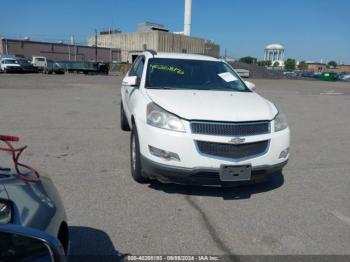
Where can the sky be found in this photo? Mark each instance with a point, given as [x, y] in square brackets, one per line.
[311, 30]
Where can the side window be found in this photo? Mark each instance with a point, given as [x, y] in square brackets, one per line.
[139, 68]
[133, 67]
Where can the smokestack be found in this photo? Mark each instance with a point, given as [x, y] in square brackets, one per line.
[188, 17]
[72, 40]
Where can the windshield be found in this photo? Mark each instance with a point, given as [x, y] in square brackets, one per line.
[23, 62]
[165, 73]
[38, 59]
[10, 61]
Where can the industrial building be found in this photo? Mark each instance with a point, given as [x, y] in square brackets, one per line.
[316, 67]
[131, 44]
[157, 37]
[57, 51]
[321, 67]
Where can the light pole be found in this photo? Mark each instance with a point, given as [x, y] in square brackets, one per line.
[95, 45]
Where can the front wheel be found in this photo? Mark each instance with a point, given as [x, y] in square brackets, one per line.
[135, 158]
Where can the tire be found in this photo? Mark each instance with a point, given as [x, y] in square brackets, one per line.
[135, 158]
[124, 125]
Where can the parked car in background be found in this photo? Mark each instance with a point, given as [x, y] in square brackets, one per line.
[243, 73]
[290, 74]
[193, 120]
[344, 76]
[39, 62]
[29, 202]
[317, 74]
[306, 74]
[26, 66]
[10, 65]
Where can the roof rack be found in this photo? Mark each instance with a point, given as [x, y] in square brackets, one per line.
[153, 52]
[204, 54]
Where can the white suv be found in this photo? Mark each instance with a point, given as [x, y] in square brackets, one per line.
[193, 120]
[8, 65]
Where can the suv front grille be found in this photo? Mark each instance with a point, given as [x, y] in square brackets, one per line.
[248, 150]
[230, 128]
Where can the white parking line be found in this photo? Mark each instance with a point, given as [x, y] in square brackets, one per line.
[342, 217]
[329, 93]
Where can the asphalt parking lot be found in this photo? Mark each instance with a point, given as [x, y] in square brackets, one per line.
[71, 123]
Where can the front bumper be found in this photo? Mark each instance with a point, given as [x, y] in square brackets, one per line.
[13, 69]
[203, 176]
[29, 70]
[184, 144]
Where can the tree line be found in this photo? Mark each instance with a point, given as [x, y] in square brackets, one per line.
[290, 64]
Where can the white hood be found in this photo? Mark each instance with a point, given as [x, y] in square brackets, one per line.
[214, 105]
[13, 65]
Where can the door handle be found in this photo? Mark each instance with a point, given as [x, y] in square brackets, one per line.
[126, 91]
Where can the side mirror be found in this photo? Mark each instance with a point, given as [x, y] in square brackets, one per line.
[26, 244]
[250, 85]
[131, 81]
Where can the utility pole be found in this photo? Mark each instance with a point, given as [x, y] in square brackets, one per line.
[95, 45]
[6, 47]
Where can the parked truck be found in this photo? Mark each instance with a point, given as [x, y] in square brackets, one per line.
[54, 67]
[39, 62]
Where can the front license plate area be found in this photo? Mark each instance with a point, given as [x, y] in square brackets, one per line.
[235, 173]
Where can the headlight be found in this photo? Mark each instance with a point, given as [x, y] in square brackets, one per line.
[280, 122]
[5, 212]
[158, 117]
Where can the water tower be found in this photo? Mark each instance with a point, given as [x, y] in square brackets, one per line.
[274, 53]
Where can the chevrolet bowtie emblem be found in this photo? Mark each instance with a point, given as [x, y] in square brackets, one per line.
[237, 141]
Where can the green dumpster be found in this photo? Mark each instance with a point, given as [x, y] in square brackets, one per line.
[328, 76]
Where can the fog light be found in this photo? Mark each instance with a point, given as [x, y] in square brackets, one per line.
[284, 153]
[166, 155]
